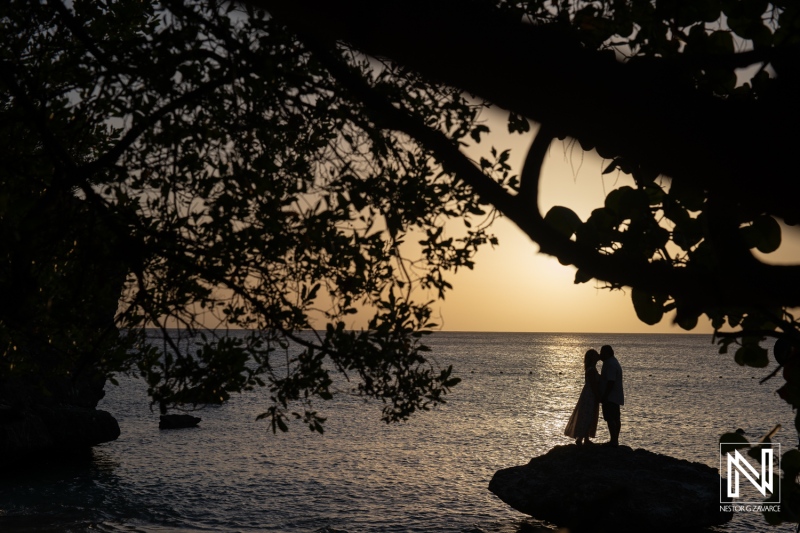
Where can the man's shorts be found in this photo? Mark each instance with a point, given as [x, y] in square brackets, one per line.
[611, 412]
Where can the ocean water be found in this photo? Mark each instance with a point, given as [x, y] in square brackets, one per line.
[429, 474]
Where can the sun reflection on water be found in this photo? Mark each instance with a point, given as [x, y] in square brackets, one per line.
[429, 474]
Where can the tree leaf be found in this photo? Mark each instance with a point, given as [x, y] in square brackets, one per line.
[626, 202]
[477, 130]
[732, 441]
[518, 123]
[688, 194]
[611, 167]
[649, 308]
[686, 321]
[563, 220]
[752, 355]
[581, 276]
[720, 42]
[790, 462]
[655, 194]
[764, 234]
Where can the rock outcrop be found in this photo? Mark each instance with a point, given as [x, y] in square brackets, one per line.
[63, 422]
[54, 430]
[178, 421]
[595, 488]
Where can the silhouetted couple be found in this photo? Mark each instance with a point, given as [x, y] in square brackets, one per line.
[603, 389]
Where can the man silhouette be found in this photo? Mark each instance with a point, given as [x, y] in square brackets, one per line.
[611, 395]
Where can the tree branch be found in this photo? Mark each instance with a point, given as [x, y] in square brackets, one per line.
[649, 276]
[532, 168]
[110, 158]
[684, 284]
[642, 111]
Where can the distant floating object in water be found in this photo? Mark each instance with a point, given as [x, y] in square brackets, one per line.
[178, 421]
[328, 529]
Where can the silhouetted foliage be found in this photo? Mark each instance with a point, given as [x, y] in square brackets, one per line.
[245, 169]
[689, 100]
[195, 168]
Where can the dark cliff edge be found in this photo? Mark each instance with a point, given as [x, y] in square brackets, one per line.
[596, 488]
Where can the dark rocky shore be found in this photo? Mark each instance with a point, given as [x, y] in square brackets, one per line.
[595, 488]
[64, 421]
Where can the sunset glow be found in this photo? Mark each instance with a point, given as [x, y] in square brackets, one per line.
[514, 288]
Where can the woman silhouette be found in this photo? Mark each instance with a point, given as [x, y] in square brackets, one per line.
[583, 423]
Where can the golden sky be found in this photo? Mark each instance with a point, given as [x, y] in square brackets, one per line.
[514, 288]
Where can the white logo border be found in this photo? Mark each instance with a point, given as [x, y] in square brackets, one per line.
[724, 481]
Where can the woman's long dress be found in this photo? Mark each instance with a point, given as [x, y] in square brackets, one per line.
[583, 422]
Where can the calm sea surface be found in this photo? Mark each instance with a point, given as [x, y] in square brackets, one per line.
[427, 475]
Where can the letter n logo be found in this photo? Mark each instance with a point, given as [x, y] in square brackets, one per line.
[763, 481]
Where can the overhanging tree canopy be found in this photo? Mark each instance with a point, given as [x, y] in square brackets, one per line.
[673, 108]
[261, 169]
[182, 166]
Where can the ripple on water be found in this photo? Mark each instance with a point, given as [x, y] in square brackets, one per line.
[362, 476]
